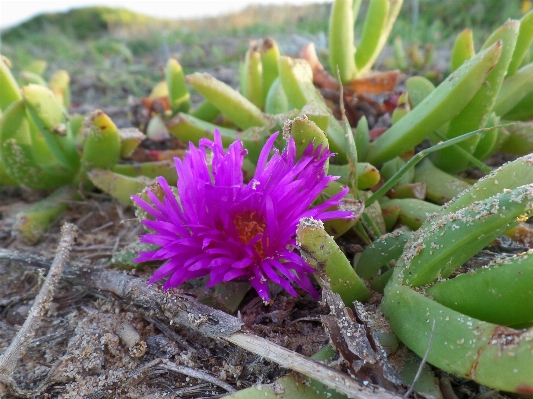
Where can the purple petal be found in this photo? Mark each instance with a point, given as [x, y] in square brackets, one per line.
[235, 273]
[260, 285]
[171, 266]
[261, 162]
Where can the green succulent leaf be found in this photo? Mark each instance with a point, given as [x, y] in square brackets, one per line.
[304, 132]
[400, 56]
[492, 355]
[463, 49]
[489, 144]
[520, 141]
[297, 80]
[269, 60]
[362, 138]
[402, 108]
[390, 168]
[447, 241]
[26, 78]
[17, 153]
[252, 78]
[5, 177]
[367, 175]
[508, 176]
[130, 138]
[178, 94]
[10, 89]
[514, 89]
[33, 223]
[332, 268]
[49, 116]
[316, 113]
[166, 169]
[477, 111]
[413, 212]
[37, 67]
[338, 227]
[188, 128]
[418, 88]
[440, 186]
[102, 145]
[341, 40]
[492, 293]
[60, 85]
[449, 98]
[229, 101]
[276, 101]
[205, 111]
[373, 29]
[385, 249]
[523, 111]
[523, 43]
[118, 186]
[394, 8]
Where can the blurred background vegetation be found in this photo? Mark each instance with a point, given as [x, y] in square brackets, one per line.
[116, 52]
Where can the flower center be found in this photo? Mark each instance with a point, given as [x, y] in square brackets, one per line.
[249, 224]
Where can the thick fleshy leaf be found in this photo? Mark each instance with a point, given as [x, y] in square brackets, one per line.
[332, 268]
[229, 101]
[502, 293]
[448, 240]
[449, 98]
[341, 40]
[477, 111]
[492, 355]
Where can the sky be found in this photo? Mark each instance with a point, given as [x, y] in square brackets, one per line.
[15, 12]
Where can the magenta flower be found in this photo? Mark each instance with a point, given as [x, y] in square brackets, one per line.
[221, 227]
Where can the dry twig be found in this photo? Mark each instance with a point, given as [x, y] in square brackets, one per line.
[9, 359]
[198, 374]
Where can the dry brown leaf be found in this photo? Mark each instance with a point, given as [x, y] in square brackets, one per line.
[376, 83]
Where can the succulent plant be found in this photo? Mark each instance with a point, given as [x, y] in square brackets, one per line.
[420, 220]
[481, 331]
[467, 118]
[44, 148]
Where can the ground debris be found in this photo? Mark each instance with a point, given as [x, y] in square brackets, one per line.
[352, 336]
